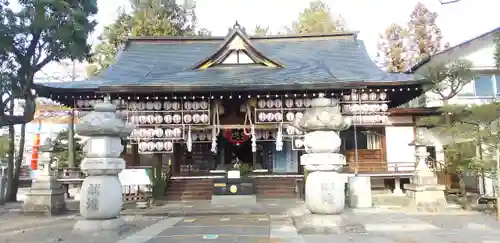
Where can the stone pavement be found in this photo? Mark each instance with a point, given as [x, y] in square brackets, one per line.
[267, 222]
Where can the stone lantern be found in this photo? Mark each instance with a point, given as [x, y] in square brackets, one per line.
[426, 193]
[325, 186]
[45, 195]
[101, 193]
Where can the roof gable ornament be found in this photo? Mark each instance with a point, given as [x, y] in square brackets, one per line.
[237, 50]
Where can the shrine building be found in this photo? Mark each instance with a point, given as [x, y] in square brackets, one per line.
[201, 103]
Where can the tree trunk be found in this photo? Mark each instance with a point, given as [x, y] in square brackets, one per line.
[10, 164]
[463, 191]
[12, 196]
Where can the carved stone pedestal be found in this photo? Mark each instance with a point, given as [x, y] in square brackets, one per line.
[101, 197]
[46, 195]
[325, 186]
[427, 195]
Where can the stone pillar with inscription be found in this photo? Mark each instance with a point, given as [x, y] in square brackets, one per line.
[101, 193]
[427, 195]
[325, 186]
[45, 195]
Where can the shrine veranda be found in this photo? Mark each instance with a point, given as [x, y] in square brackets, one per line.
[200, 103]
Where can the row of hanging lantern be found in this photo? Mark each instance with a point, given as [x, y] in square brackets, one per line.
[364, 108]
[156, 147]
[179, 118]
[273, 117]
[84, 98]
[278, 103]
[364, 96]
[149, 133]
[169, 105]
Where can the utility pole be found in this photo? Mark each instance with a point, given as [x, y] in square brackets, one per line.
[71, 125]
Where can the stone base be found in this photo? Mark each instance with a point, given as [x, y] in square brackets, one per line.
[234, 200]
[45, 197]
[307, 223]
[326, 224]
[96, 226]
[426, 198]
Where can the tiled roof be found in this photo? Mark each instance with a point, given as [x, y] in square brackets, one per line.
[309, 61]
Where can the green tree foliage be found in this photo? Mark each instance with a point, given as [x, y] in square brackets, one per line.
[148, 18]
[392, 49]
[449, 79]
[496, 53]
[61, 149]
[261, 30]
[317, 19]
[35, 34]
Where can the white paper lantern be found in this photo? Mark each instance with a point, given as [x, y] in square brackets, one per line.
[261, 103]
[177, 118]
[187, 118]
[176, 132]
[299, 115]
[167, 119]
[143, 119]
[151, 132]
[158, 132]
[364, 96]
[168, 133]
[196, 118]
[80, 103]
[290, 130]
[158, 119]
[270, 116]
[167, 105]
[346, 97]
[382, 96]
[151, 146]
[289, 103]
[176, 105]
[141, 106]
[290, 116]
[143, 146]
[196, 105]
[168, 146]
[299, 102]
[159, 146]
[278, 103]
[157, 105]
[354, 96]
[188, 105]
[262, 116]
[307, 102]
[150, 119]
[150, 105]
[269, 103]
[373, 96]
[204, 118]
[384, 107]
[204, 105]
[278, 116]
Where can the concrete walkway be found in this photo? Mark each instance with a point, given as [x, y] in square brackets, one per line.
[266, 222]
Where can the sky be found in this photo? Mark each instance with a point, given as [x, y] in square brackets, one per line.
[459, 21]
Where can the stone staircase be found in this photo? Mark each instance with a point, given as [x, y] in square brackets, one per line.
[275, 187]
[189, 189]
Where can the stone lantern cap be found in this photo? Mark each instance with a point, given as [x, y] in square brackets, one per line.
[46, 146]
[420, 141]
[323, 116]
[103, 122]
